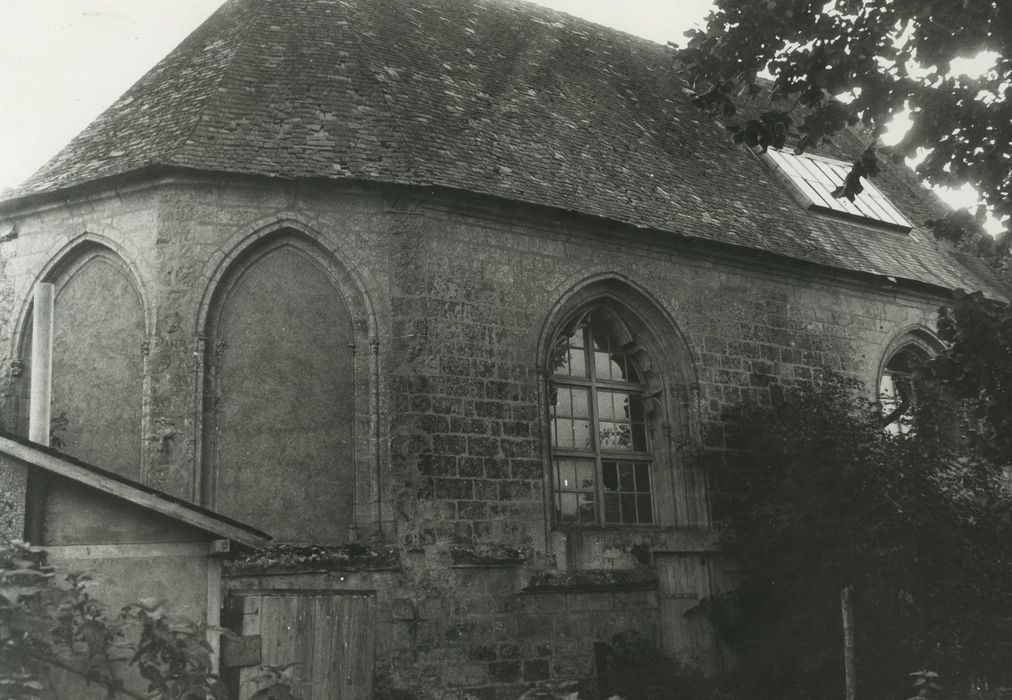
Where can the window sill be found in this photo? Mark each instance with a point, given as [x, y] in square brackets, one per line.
[660, 539]
[596, 527]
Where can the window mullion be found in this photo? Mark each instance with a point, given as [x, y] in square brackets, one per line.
[588, 344]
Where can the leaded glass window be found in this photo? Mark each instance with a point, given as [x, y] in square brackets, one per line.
[600, 444]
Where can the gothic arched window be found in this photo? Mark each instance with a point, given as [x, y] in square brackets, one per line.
[897, 385]
[896, 392]
[598, 411]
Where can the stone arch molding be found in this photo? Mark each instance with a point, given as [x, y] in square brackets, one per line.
[66, 260]
[298, 232]
[664, 356]
[288, 341]
[639, 307]
[916, 335]
[894, 386]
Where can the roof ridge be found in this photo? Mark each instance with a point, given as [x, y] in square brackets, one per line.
[198, 119]
[495, 97]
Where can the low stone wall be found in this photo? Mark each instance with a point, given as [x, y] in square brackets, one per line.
[486, 630]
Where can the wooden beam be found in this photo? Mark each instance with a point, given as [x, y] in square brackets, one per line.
[849, 666]
[146, 550]
[214, 603]
[61, 467]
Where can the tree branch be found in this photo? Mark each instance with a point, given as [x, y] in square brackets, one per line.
[896, 413]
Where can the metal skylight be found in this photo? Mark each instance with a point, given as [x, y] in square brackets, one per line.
[815, 179]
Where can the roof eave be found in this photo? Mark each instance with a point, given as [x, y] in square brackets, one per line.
[117, 486]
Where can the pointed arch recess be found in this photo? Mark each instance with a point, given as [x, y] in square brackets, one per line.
[916, 336]
[286, 378]
[101, 321]
[66, 256]
[669, 371]
[893, 382]
[645, 313]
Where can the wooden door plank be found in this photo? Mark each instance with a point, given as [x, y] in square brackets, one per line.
[322, 643]
[299, 648]
[250, 626]
[683, 580]
[332, 636]
[368, 649]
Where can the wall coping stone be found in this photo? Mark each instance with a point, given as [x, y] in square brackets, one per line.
[286, 558]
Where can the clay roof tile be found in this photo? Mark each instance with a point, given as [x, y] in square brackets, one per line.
[496, 97]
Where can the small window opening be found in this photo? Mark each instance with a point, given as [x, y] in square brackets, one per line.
[898, 390]
[815, 178]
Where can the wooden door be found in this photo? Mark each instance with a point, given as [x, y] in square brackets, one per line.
[683, 580]
[330, 634]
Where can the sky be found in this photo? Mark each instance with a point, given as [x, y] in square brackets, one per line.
[62, 62]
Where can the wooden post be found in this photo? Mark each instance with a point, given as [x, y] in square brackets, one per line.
[42, 364]
[214, 604]
[850, 672]
[40, 406]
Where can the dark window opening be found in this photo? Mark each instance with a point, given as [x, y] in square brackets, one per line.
[898, 391]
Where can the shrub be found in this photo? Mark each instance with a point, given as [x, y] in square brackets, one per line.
[51, 631]
[821, 498]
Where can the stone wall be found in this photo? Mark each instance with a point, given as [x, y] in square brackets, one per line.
[452, 302]
[467, 631]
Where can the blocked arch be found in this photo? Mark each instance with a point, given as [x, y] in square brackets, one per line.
[335, 366]
[100, 376]
[299, 233]
[670, 372]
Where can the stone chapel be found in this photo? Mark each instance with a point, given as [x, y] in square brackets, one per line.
[441, 295]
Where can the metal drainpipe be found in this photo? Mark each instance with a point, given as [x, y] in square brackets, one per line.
[42, 364]
[40, 407]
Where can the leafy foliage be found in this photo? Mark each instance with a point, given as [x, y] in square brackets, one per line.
[173, 656]
[638, 670]
[977, 368]
[926, 684]
[48, 629]
[823, 498]
[278, 682]
[882, 57]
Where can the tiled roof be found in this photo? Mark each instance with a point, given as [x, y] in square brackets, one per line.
[490, 96]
